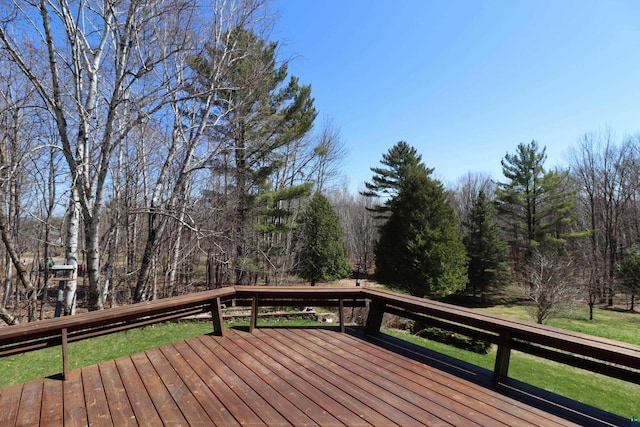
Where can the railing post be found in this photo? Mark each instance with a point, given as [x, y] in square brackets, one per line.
[503, 355]
[216, 316]
[65, 354]
[253, 323]
[341, 314]
[374, 317]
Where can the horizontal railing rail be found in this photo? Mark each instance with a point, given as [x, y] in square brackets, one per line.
[289, 296]
[600, 355]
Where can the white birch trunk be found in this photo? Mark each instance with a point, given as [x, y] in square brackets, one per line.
[71, 254]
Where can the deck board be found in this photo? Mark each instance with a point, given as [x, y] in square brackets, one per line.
[435, 385]
[115, 393]
[98, 413]
[214, 408]
[10, 402]
[288, 385]
[412, 388]
[30, 403]
[183, 397]
[306, 385]
[261, 386]
[269, 377]
[51, 414]
[379, 394]
[74, 406]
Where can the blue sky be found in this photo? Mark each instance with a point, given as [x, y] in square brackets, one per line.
[465, 81]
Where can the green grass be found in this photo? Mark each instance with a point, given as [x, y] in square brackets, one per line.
[616, 396]
[616, 325]
[47, 362]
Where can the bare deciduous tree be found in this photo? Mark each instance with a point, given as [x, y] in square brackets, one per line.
[606, 177]
[102, 75]
[549, 284]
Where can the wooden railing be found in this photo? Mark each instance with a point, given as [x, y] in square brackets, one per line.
[62, 330]
[611, 358]
[607, 357]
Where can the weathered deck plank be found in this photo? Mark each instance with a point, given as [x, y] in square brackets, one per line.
[139, 396]
[51, 414]
[10, 402]
[74, 406]
[449, 386]
[270, 377]
[307, 399]
[215, 409]
[119, 405]
[98, 413]
[413, 390]
[261, 386]
[30, 404]
[180, 392]
[306, 385]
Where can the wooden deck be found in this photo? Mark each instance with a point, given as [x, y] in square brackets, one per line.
[269, 377]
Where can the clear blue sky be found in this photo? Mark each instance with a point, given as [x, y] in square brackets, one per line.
[465, 81]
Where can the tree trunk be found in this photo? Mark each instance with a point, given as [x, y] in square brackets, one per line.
[73, 231]
[175, 256]
[7, 317]
[113, 248]
[8, 279]
[153, 233]
[92, 241]
[20, 270]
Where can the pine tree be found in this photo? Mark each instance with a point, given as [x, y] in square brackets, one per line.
[533, 202]
[419, 250]
[258, 115]
[321, 256]
[399, 160]
[485, 250]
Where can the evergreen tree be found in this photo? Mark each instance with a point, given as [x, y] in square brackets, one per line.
[419, 250]
[533, 203]
[399, 160]
[485, 250]
[258, 116]
[321, 256]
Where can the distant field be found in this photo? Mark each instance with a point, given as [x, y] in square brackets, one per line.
[613, 324]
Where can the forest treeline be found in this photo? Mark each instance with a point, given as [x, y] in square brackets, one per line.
[162, 147]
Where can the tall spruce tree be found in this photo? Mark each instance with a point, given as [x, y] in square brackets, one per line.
[486, 251]
[386, 181]
[321, 255]
[419, 250]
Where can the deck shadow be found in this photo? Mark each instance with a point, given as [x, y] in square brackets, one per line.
[547, 401]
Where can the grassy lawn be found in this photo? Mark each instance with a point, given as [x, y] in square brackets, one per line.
[616, 325]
